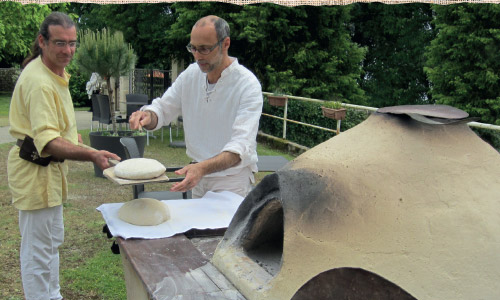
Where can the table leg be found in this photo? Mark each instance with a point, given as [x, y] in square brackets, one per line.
[135, 287]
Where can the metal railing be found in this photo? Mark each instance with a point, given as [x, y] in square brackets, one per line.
[347, 105]
[151, 82]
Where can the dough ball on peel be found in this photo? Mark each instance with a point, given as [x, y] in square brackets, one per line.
[144, 212]
[139, 168]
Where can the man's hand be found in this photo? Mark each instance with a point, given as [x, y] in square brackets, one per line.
[101, 158]
[193, 173]
[146, 119]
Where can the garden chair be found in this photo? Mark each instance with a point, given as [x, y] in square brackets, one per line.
[174, 144]
[134, 103]
[132, 151]
[96, 112]
[105, 117]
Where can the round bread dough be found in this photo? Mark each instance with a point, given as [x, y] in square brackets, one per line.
[144, 212]
[139, 168]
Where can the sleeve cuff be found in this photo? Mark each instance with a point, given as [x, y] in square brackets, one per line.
[43, 138]
[245, 154]
[159, 116]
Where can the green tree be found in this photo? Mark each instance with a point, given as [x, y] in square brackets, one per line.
[19, 25]
[143, 25]
[396, 37]
[185, 15]
[304, 50]
[463, 60]
[108, 55]
[307, 50]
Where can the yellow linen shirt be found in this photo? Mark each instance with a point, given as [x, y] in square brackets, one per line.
[41, 107]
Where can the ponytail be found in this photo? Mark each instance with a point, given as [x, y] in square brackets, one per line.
[35, 52]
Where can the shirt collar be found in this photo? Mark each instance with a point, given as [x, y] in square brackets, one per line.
[230, 68]
[63, 80]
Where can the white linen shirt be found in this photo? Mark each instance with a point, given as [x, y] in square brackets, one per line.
[224, 119]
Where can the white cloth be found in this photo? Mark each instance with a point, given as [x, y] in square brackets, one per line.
[224, 119]
[214, 210]
[240, 184]
[42, 232]
[93, 84]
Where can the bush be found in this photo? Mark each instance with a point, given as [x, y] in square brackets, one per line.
[491, 137]
[8, 79]
[78, 86]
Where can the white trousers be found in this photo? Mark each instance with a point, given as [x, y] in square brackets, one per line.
[240, 184]
[42, 232]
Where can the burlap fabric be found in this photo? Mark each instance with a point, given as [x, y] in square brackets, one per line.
[279, 2]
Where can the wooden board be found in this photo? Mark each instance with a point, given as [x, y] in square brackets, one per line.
[176, 268]
[110, 174]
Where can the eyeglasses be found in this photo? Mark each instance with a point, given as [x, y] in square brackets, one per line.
[203, 50]
[62, 44]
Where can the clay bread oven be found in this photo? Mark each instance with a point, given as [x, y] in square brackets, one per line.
[398, 207]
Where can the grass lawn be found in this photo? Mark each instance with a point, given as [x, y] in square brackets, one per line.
[88, 268]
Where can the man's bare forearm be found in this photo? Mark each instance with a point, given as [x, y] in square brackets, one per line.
[63, 149]
[220, 162]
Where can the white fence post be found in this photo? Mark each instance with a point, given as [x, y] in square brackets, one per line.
[284, 119]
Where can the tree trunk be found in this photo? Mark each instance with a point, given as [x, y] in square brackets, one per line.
[111, 105]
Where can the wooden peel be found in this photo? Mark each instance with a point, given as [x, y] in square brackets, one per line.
[111, 162]
[110, 174]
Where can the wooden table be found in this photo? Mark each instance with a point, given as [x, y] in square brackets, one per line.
[179, 267]
[174, 268]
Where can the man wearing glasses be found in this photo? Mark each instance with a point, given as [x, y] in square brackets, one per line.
[221, 102]
[42, 120]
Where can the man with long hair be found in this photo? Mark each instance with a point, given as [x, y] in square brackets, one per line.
[42, 119]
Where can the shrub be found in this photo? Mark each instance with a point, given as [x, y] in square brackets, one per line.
[78, 87]
[8, 78]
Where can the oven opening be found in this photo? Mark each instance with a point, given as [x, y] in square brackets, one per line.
[264, 242]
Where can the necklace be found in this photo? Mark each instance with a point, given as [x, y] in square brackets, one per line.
[209, 89]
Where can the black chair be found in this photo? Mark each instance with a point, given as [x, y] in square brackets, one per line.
[96, 111]
[135, 102]
[143, 98]
[132, 151]
[178, 143]
[105, 117]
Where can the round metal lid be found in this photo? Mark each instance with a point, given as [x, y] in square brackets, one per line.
[436, 111]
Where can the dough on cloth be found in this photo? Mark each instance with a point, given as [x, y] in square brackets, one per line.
[144, 212]
[139, 168]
